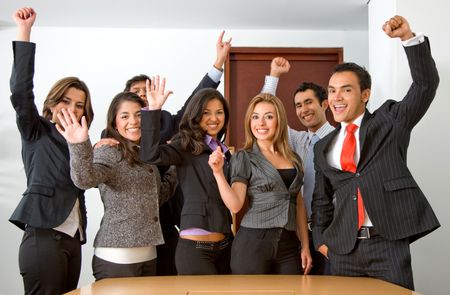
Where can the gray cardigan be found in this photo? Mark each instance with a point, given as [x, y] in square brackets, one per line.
[131, 195]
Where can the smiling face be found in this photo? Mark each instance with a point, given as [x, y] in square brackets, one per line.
[213, 117]
[264, 121]
[346, 100]
[74, 100]
[128, 121]
[309, 110]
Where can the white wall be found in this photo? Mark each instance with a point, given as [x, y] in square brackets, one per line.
[105, 59]
[428, 156]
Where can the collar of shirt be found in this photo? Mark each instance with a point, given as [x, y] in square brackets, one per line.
[357, 122]
[213, 143]
[321, 132]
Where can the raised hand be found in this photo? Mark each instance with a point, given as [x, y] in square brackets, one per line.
[279, 66]
[398, 26]
[24, 18]
[70, 128]
[216, 160]
[156, 93]
[222, 47]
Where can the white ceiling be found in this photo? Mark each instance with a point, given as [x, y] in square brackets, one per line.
[195, 14]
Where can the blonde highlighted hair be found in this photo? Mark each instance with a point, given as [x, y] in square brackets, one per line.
[280, 139]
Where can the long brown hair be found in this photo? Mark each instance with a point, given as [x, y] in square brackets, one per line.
[280, 139]
[56, 95]
[191, 134]
[129, 149]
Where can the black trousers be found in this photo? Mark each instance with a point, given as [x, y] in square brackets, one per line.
[103, 269]
[265, 251]
[166, 251]
[203, 258]
[320, 264]
[376, 257]
[49, 261]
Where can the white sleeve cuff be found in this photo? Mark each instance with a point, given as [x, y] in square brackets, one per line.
[215, 74]
[416, 40]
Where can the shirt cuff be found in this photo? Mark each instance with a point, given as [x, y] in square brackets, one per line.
[215, 74]
[416, 40]
[270, 85]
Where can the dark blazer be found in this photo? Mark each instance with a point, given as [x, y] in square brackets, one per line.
[50, 194]
[203, 206]
[396, 205]
[170, 212]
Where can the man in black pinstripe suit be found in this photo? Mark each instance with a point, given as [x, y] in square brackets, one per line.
[394, 211]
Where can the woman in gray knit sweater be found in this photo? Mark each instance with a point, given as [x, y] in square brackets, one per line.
[131, 191]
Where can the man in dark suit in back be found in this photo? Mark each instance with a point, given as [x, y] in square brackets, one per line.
[366, 207]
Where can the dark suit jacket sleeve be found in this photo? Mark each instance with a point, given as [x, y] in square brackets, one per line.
[423, 88]
[151, 150]
[170, 123]
[21, 85]
[322, 207]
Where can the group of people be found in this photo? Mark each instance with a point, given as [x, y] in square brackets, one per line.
[323, 201]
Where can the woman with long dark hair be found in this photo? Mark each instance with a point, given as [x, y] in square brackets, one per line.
[131, 191]
[205, 231]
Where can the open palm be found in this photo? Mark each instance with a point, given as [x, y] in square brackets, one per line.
[70, 128]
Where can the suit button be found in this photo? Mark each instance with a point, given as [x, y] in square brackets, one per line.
[357, 174]
[155, 219]
[354, 198]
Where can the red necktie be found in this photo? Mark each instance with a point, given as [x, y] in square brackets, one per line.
[348, 164]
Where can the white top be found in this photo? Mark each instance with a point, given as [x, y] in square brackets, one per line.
[126, 255]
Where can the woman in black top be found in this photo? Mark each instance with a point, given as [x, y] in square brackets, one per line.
[204, 243]
[52, 211]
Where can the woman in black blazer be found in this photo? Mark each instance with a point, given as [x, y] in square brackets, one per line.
[52, 211]
[205, 227]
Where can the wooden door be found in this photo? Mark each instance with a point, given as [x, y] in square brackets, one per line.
[246, 68]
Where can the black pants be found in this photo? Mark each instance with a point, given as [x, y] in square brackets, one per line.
[203, 258]
[376, 257]
[49, 261]
[166, 251]
[265, 251]
[320, 264]
[103, 269]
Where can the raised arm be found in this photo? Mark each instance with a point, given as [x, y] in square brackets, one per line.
[425, 78]
[210, 80]
[21, 81]
[24, 18]
[84, 170]
[278, 67]
[151, 150]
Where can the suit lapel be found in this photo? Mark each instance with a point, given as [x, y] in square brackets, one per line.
[362, 138]
[324, 146]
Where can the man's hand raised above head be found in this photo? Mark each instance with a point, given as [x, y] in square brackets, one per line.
[279, 66]
[398, 27]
